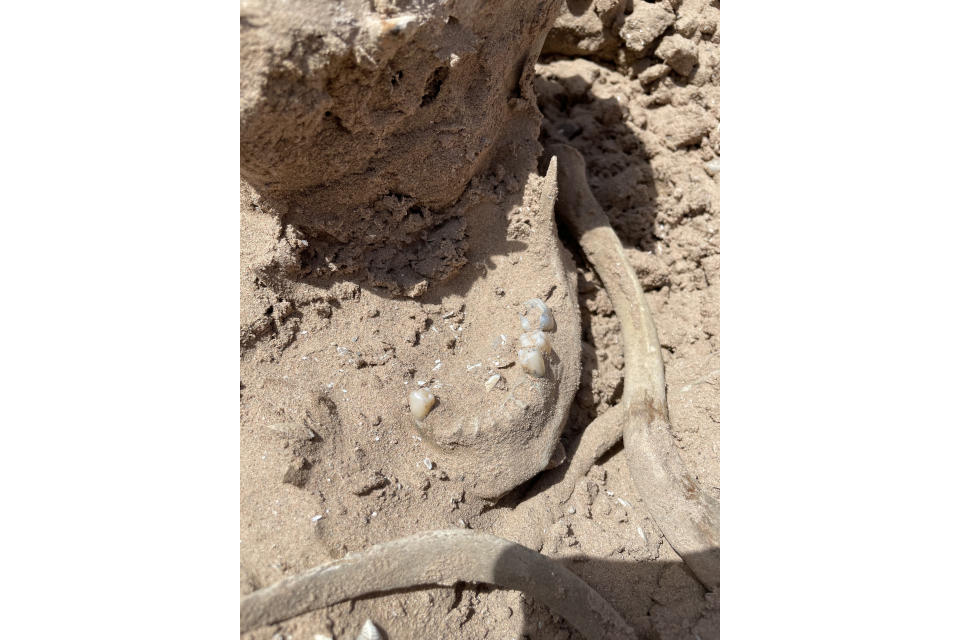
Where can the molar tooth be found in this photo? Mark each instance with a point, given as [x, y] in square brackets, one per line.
[544, 322]
[421, 401]
[532, 362]
[536, 340]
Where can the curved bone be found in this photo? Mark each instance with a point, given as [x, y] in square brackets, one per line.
[438, 558]
[688, 517]
[597, 438]
[504, 437]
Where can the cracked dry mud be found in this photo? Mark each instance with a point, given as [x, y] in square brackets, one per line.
[359, 285]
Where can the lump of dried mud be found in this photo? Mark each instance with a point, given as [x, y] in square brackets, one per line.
[361, 124]
[679, 53]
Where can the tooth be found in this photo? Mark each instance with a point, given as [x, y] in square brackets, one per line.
[532, 362]
[421, 401]
[536, 340]
[544, 321]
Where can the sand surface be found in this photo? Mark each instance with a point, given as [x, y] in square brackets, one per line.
[331, 460]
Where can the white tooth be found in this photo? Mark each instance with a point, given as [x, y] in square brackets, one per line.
[369, 631]
[421, 401]
[544, 321]
[536, 340]
[532, 362]
[492, 381]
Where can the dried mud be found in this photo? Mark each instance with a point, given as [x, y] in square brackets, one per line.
[332, 462]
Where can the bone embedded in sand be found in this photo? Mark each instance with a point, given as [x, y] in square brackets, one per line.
[445, 557]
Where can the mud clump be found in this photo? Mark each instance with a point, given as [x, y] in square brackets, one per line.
[361, 125]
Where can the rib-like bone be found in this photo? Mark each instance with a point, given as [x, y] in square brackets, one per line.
[688, 517]
[438, 558]
[597, 438]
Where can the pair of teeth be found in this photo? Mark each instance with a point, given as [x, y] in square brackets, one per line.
[534, 343]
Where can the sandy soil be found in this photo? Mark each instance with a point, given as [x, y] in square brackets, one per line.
[332, 462]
